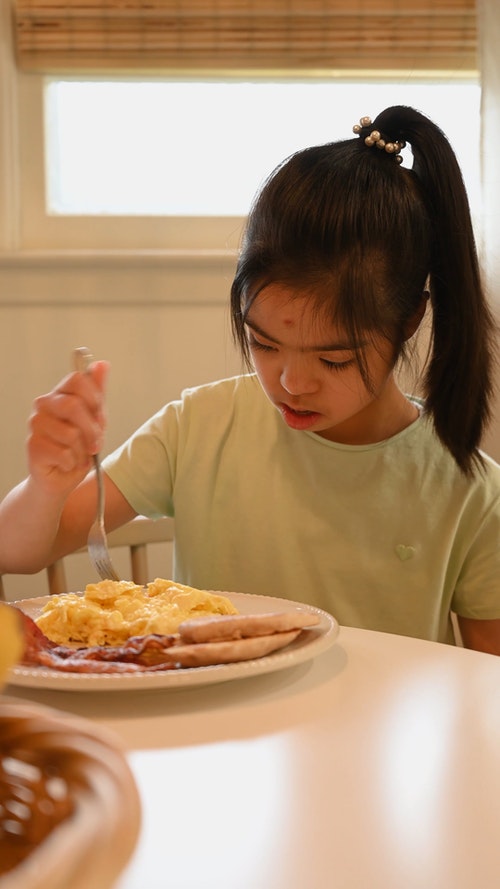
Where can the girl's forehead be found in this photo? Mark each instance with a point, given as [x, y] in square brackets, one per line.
[296, 310]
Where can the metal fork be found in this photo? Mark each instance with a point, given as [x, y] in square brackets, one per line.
[97, 544]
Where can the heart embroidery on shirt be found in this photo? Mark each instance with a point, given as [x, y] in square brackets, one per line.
[405, 552]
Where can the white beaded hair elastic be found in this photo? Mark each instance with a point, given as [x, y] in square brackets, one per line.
[376, 138]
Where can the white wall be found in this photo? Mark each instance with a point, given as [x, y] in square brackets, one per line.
[162, 326]
[142, 318]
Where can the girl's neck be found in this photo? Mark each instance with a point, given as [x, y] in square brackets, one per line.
[383, 418]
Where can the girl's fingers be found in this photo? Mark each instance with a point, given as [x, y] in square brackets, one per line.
[66, 427]
[72, 413]
[88, 387]
[46, 457]
[54, 441]
[100, 373]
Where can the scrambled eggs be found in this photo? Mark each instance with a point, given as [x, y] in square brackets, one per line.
[109, 612]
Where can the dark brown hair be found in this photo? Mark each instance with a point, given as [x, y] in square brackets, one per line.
[365, 237]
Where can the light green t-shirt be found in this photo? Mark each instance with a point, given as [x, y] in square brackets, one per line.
[388, 536]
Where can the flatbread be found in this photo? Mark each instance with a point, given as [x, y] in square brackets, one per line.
[206, 654]
[241, 626]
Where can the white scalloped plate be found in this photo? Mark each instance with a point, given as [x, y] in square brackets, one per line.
[307, 645]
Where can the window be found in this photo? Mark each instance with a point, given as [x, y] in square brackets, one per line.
[188, 148]
[175, 164]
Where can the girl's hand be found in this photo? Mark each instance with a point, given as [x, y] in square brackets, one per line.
[66, 428]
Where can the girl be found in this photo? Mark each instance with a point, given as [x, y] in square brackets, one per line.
[315, 477]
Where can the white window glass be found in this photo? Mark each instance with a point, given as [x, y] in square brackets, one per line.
[128, 148]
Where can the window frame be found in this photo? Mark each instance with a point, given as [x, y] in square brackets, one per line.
[25, 226]
[42, 231]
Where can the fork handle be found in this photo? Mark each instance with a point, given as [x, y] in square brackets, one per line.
[82, 359]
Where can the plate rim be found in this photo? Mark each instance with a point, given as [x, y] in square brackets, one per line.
[318, 640]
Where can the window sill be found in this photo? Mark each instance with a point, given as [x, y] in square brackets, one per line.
[115, 277]
[117, 259]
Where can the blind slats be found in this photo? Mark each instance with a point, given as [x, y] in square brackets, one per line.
[369, 34]
[222, 8]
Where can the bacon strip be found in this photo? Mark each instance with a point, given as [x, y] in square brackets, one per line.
[138, 654]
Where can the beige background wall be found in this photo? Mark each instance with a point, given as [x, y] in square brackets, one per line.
[163, 325]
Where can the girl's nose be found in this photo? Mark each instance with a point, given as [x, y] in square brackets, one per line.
[296, 379]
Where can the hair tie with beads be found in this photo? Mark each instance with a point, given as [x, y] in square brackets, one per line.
[374, 137]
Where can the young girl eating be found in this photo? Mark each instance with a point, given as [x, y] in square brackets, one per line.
[314, 476]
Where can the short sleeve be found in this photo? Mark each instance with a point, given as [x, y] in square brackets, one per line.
[143, 468]
[477, 593]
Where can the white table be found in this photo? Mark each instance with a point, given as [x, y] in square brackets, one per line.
[374, 766]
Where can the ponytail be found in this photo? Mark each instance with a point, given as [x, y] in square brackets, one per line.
[457, 385]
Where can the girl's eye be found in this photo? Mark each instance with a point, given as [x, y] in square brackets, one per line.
[255, 344]
[337, 365]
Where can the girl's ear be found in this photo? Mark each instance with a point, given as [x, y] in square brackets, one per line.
[414, 322]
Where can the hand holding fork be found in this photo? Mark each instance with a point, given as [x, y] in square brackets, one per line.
[97, 543]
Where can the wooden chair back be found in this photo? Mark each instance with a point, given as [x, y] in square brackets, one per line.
[136, 535]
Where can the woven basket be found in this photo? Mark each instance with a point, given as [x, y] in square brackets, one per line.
[69, 806]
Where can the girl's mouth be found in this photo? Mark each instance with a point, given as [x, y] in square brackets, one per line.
[298, 419]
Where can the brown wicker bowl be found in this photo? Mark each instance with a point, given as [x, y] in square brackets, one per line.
[69, 806]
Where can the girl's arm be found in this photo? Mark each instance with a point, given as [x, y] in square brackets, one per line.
[36, 530]
[49, 513]
[481, 635]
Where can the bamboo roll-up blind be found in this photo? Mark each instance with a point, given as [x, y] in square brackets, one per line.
[227, 35]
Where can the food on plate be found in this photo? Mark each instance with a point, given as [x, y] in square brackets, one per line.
[255, 637]
[136, 654]
[239, 637]
[204, 654]
[110, 612]
[240, 626]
